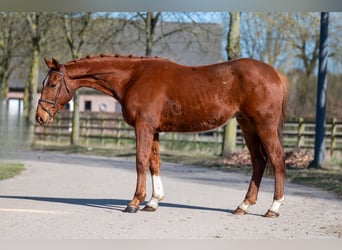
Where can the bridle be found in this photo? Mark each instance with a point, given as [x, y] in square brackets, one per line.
[63, 82]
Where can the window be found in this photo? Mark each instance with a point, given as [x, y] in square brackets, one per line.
[87, 106]
[67, 106]
[118, 107]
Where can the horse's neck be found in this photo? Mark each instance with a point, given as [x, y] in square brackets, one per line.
[107, 77]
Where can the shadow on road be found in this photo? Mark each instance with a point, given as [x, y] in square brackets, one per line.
[112, 204]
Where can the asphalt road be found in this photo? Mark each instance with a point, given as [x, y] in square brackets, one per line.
[63, 196]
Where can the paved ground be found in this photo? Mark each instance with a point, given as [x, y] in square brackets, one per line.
[73, 196]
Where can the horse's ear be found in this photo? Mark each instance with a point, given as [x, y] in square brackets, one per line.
[48, 63]
[54, 64]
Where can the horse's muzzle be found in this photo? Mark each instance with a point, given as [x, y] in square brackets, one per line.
[42, 117]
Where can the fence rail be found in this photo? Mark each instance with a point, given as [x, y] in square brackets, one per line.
[109, 128]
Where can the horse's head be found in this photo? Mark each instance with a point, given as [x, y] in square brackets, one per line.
[55, 93]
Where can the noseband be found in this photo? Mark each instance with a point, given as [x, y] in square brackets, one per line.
[63, 82]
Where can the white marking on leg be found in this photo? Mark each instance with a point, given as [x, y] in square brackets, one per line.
[157, 192]
[244, 206]
[276, 205]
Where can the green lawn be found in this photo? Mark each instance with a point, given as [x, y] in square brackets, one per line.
[9, 170]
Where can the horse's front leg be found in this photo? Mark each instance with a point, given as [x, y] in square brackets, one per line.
[157, 185]
[144, 140]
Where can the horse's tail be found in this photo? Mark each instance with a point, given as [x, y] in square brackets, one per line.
[284, 104]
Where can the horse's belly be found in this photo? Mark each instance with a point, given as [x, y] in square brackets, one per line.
[204, 111]
[193, 122]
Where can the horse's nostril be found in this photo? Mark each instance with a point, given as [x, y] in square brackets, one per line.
[40, 120]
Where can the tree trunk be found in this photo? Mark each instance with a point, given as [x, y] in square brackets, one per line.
[233, 51]
[233, 39]
[149, 34]
[3, 87]
[75, 48]
[151, 21]
[75, 133]
[30, 93]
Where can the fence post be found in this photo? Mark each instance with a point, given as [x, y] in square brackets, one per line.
[87, 129]
[59, 128]
[301, 128]
[116, 130]
[45, 131]
[196, 140]
[333, 135]
[102, 130]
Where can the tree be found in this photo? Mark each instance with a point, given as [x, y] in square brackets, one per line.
[37, 24]
[233, 51]
[106, 30]
[263, 38]
[75, 26]
[148, 24]
[9, 43]
[303, 37]
[150, 20]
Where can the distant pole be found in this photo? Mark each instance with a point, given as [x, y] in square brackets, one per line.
[321, 93]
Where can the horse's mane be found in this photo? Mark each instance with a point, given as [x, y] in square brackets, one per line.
[88, 57]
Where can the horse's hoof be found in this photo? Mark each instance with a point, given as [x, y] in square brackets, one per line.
[149, 209]
[130, 209]
[240, 211]
[271, 214]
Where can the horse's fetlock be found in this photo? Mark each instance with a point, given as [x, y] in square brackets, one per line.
[141, 198]
[250, 201]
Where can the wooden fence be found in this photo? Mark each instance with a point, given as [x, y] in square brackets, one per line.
[106, 129]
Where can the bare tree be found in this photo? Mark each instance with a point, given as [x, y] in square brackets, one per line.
[37, 23]
[335, 48]
[303, 38]
[106, 32]
[147, 22]
[75, 26]
[263, 38]
[9, 43]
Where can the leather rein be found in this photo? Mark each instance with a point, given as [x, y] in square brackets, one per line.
[63, 82]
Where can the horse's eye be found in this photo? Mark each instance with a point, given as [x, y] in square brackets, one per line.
[52, 85]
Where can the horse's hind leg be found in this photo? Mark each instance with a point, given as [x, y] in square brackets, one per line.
[157, 186]
[271, 142]
[259, 159]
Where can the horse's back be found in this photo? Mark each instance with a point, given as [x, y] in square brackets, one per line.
[199, 98]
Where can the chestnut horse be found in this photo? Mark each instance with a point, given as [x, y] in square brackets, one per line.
[158, 95]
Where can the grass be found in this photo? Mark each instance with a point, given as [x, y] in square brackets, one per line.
[329, 177]
[9, 170]
[323, 178]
